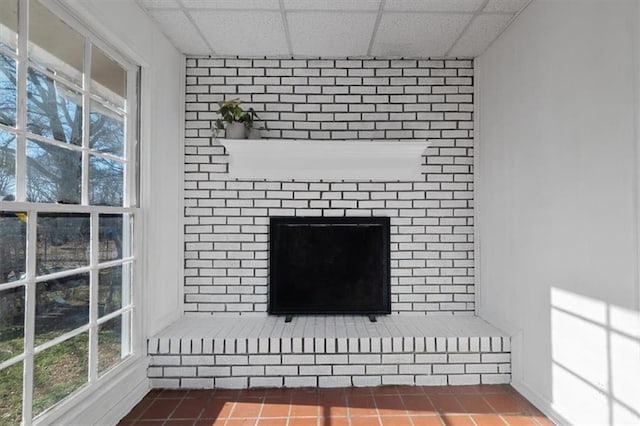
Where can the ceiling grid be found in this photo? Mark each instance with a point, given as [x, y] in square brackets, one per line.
[333, 28]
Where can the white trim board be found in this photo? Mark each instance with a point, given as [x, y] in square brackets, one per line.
[321, 159]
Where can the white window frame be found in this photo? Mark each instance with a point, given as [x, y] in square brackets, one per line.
[130, 207]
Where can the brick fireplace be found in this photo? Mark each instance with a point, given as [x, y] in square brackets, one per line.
[432, 336]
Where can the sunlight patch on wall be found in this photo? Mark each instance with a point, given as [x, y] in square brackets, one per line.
[596, 360]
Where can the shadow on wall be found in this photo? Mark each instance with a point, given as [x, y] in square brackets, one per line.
[595, 348]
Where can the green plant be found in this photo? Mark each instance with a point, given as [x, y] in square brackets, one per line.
[232, 112]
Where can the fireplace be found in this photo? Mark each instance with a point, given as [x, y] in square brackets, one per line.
[329, 265]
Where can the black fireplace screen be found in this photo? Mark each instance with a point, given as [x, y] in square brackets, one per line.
[321, 265]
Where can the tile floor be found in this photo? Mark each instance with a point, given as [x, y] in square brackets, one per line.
[388, 405]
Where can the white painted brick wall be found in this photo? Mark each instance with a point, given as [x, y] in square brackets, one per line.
[431, 219]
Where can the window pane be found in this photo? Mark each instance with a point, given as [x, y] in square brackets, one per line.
[108, 78]
[113, 342]
[62, 305]
[11, 395]
[53, 110]
[11, 323]
[13, 246]
[62, 242]
[53, 45]
[9, 24]
[114, 289]
[115, 237]
[58, 371]
[106, 130]
[105, 181]
[7, 90]
[54, 174]
[7, 166]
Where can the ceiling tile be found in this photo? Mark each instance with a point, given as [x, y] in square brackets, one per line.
[511, 6]
[243, 33]
[418, 35]
[330, 34]
[482, 31]
[175, 25]
[433, 5]
[232, 4]
[332, 4]
[158, 4]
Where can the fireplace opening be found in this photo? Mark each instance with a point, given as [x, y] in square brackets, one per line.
[322, 265]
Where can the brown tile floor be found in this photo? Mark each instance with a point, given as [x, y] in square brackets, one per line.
[388, 405]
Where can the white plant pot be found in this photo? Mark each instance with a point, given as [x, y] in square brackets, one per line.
[235, 131]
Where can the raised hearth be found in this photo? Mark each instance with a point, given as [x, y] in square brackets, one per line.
[328, 351]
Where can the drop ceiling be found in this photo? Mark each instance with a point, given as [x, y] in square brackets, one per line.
[333, 28]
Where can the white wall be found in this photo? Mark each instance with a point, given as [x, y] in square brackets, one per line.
[556, 205]
[124, 26]
[127, 27]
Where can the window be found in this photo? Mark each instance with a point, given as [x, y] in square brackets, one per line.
[67, 210]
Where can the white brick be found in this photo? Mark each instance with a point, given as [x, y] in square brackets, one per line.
[448, 369]
[494, 379]
[180, 371]
[297, 345]
[315, 370]
[196, 383]
[264, 359]
[365, 359]
[481, 368]
[266, 382]
[257, 370]
[297, 359]
[198, 360]
[332, 359]
[398, 380]
[163, 346]
[381, 369]
[285, 345]
[153, 372]
[464, 358]
[485, 344]
[415, 369]
[298, 382]
[165, 383]
[431, 380]
[281, 370]
[506, 344]
[474, 344]
[214, 371]
[308, 345]
[165, 360]
[231, 382]
[502, 357]
[397, 359]
[365, 381]
[232, 360]
[341, 345]
[397, 344]
[334, 381]
[496, 344]
[375, 344]
[464, 379]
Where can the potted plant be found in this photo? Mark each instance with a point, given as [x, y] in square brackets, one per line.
[236, 122]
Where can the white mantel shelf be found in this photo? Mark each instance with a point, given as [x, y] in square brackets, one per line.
[325, 159]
